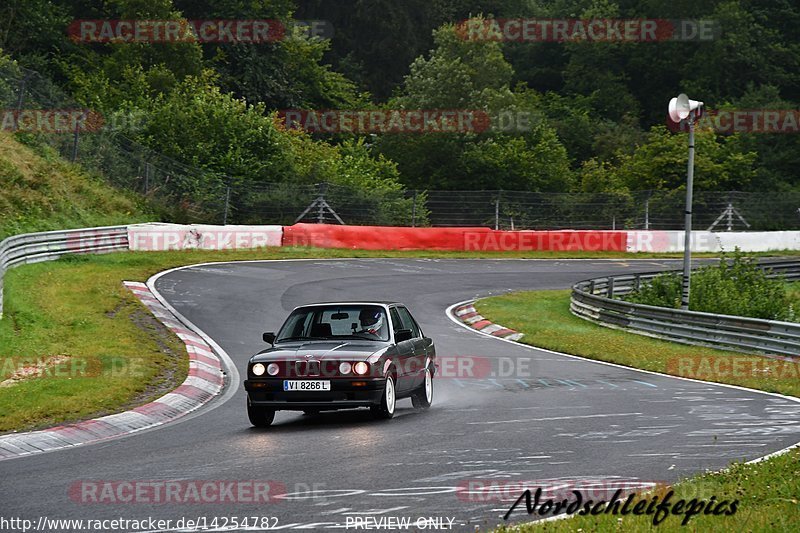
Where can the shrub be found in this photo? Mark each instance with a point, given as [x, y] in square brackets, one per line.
[735, 286]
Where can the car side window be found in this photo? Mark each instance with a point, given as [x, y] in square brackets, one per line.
[397, 324]
[408, 321]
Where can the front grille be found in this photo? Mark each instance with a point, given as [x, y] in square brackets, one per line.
[307, 368]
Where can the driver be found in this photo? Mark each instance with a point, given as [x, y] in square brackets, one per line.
[371, 321]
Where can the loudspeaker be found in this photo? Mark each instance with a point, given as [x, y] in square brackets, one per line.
[681, 107]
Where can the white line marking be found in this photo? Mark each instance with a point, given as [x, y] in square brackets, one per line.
[554, 418]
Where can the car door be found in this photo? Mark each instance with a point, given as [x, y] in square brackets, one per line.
[405, 354]
[419, 347]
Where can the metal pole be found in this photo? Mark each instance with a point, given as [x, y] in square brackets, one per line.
[75, 143]
[730, 216]
[497, 213]
[21, 91]
[687, 240]
[414, 211]
[227, 203]
[321, 201]
[647, 213]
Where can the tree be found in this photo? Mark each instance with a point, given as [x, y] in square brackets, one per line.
[473, 75]
[660, 163]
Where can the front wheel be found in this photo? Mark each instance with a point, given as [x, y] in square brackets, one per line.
[423, 397]
[260, 417]
[386, 409]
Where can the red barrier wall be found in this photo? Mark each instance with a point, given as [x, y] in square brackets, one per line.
[463, 239]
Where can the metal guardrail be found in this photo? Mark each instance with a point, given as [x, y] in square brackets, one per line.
[50, 245]
[595, 300]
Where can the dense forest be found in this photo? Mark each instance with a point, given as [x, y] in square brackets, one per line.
[595, 112]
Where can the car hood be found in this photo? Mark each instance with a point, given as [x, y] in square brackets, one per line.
[322, 350]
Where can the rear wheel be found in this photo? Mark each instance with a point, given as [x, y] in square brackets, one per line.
[423, 397]
[260, 417]
[386, 409]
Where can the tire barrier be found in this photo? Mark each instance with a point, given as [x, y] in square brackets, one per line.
[161, 237]
[450, 239]
[713, 241]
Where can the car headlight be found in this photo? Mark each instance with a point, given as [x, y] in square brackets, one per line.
[273, 369]
[361, 368]
[345, 368]
[258, 369]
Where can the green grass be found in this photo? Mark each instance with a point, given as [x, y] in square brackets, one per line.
[768, 491]
[41, 191]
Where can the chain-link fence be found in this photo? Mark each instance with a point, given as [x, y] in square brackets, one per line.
[130, 166]
[719, 211]
[655, 210]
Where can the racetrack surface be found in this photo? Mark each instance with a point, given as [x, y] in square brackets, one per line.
[568, 418]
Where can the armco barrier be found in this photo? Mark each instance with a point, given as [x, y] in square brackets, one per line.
[449, 239]
[594, 300]
[36, 247]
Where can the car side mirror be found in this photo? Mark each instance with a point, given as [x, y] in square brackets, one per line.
[269, 337]
[403, 335]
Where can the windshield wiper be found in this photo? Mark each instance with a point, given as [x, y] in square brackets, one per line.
[362, 338]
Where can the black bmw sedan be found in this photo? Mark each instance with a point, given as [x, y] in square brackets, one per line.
[341, 355]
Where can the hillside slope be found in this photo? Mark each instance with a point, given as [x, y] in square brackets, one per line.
[39, 193]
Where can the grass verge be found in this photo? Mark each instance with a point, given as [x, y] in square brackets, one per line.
[768, 492]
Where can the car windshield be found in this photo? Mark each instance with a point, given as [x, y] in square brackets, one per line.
[338, 322]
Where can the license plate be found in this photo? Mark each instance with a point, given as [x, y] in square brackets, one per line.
[306, 385]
